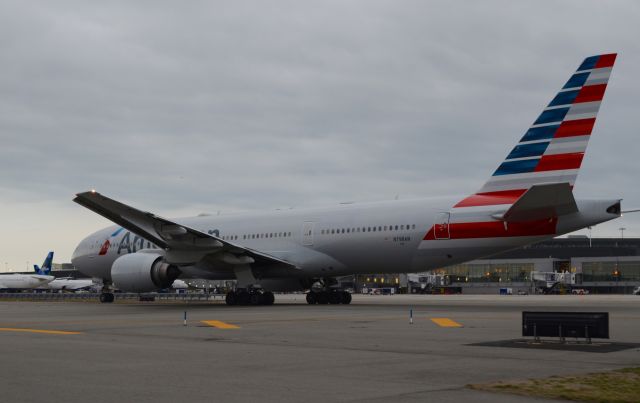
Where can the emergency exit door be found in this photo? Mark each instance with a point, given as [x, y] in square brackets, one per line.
[441, 226]
[307, 233]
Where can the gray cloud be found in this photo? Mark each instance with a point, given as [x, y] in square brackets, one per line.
[181, 108]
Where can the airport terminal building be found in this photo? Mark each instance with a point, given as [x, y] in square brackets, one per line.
[597, 265]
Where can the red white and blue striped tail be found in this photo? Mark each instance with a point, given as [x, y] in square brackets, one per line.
[551, 151]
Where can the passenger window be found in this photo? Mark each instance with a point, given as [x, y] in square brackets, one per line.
[413, 226]
[402, 227]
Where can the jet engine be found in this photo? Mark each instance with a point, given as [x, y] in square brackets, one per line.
[143, 272]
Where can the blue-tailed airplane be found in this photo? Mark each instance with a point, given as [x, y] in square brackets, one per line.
[19, 282]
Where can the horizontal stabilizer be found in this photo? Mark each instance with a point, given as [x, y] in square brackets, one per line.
[542, 201]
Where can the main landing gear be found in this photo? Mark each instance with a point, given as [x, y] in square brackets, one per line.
[328, 297]
[249, 296]
[106, 297]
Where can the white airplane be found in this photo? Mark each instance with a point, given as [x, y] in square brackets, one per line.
[528, 199]
[18, 282]
[71, 284]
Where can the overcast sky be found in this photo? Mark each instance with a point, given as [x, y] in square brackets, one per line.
[188, 107]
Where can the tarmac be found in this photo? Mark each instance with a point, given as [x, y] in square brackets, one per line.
[291, 352]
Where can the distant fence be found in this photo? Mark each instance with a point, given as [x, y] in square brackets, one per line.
[87, 296]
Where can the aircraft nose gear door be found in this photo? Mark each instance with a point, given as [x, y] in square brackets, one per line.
[441, 227]
[307, 233]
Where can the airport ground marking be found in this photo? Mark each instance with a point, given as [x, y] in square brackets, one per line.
[15, 329]
[445, 322]
[219, 324]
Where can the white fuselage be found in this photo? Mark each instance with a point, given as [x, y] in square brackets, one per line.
[70, 284]
[23, 281]
[391, 237]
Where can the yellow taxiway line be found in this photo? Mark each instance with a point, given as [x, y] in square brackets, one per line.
[15, 329]
[220, 324]
[445, 322]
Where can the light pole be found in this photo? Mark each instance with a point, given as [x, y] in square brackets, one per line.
[622, 232]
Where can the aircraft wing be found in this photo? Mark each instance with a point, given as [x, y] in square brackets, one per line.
[184, 245]
[542, 201]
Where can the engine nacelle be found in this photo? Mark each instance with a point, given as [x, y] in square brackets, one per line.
[142, 272]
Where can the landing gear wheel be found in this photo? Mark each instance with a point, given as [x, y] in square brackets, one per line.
[244, 298]
[335, 297]
[322, 298]
[231, 298]
[346, 297]
[256, 299]
[311, 298]
[268, 298]
[107, 298]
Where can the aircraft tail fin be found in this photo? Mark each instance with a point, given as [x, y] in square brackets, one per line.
[46, 265]
[552, 149]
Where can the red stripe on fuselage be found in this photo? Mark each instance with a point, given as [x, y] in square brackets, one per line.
[496, 229]
[559, 162]
[591, 93]
[570, 128]
[491, 198]
[606, 60]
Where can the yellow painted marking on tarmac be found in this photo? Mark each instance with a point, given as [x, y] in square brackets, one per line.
[445, 322]
[220, 324]
[15, 329]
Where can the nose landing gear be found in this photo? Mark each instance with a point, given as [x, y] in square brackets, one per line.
[106, 297]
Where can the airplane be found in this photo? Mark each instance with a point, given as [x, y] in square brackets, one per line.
[60, 283]
[71, 284]
[528, 198]
[19, 282]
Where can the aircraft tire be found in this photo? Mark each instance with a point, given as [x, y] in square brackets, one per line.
[322, 298]
[107, 298]
[256, 299]
[346, 297]
[335, 297]
[243, 298]
[268, 298]
[231, 298]
[311, 298]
